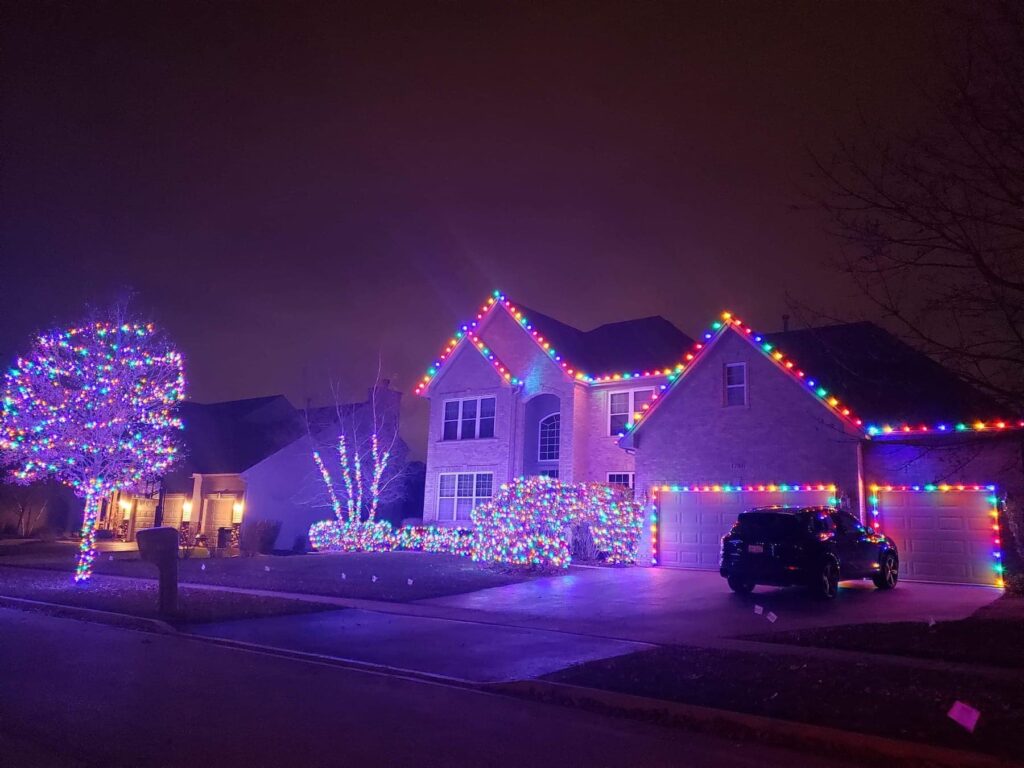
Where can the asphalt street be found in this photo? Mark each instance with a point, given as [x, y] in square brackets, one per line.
[74, 693]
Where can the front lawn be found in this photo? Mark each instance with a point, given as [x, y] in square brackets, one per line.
[975, 640]
[894, 701]
[139, 598]
[400, 576]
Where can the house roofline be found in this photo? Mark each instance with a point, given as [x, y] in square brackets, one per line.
[815, 388]
[499, 299]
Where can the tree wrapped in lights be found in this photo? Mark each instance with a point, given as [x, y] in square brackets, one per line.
[529, 523]
[93, 407]
[364, 450]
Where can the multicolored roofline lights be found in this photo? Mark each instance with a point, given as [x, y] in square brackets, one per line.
[463, 334]
[652, 526]
[886, 430]
[498, 299]
[993, 500]
[815, 387]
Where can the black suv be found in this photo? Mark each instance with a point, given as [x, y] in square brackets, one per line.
[810, 546]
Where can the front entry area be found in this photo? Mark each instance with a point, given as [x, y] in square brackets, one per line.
[692, 519]
[944, 533]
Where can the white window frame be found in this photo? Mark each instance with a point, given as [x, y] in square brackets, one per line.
[551, 473]
[726, 386]
[476, 423]
[633, 410]
[454, 518]
[630, 475]
[540, 438]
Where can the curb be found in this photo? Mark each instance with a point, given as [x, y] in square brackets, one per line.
[739, 725]
[89, 614]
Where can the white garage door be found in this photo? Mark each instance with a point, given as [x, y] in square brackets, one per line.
[693, 519]
[944, 536]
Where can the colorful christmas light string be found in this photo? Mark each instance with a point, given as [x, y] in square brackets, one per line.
[874, 506]
[93, 407]
[654, 506]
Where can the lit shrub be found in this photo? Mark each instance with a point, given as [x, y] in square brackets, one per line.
[530, 523]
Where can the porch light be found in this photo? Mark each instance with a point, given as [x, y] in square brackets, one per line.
[186, 512]
[236, 511]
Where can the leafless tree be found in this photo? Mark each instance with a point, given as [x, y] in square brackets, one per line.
[29, 503]
[362, 460]
[933, 219]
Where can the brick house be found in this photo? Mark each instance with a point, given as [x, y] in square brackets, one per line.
[518, 393]
[845, 414]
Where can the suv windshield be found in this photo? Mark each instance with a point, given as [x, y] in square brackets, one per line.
[771, 525]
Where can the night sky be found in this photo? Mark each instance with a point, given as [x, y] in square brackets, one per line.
[293, 188]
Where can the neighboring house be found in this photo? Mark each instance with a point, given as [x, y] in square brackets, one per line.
[518, 393]
[844, 413]
[247, 460]
[206, 490]
[287, 486]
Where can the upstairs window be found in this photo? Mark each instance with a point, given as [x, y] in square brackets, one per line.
[550, 432]
[468, 419]
[623, 407]
[735, 384]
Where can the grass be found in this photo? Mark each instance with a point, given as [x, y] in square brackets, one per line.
[995, 641]
[333, 574]
[888, 700]
[139, 598]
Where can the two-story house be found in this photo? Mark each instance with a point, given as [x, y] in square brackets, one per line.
[518, 393]
[842, 414]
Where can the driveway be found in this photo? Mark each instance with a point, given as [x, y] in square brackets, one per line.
[663, 605]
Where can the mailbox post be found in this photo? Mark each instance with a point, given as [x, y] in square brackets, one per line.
[160, 547]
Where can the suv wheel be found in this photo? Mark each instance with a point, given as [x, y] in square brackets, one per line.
[740, 587]
[827, 584]
[888, 572]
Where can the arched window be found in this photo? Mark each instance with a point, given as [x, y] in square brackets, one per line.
[549, 434]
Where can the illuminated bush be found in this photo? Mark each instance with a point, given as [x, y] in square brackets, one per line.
[429, 538]
[529, 523]
[364, 536]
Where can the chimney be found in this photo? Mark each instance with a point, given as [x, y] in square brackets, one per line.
[785, 323]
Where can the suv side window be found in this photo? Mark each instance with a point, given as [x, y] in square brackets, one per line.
[823, 523]
[848, 524]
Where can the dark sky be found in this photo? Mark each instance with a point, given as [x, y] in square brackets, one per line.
[295, 187]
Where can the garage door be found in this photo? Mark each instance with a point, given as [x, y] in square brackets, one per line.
[693, 519]
[943, 533]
